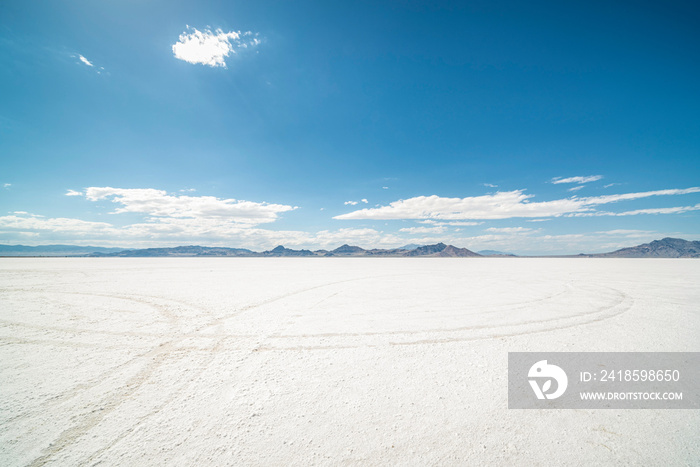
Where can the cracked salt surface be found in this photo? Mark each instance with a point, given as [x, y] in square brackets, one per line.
[269, 361]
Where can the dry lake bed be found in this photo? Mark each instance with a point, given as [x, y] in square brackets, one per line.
[356, 361]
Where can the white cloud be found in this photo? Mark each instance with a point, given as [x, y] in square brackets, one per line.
[385, 188]
[351, 203]
[673, 210]
[159, 203]
[364, 200]
[74, 193]
[590, 178]
[644, 194]
[627, 233]
[510, 230]
[211, 48]
[500, 205]
[459, 223]
[576, 188]
[29, 222]
[423, 230]
[490, 185]
[85, 61]
[7, 185]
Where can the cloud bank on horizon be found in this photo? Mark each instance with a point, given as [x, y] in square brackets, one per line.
[168, 218]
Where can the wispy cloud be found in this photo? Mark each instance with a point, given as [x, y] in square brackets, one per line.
[576, 188]
[627, 233]
[490, 185]
[423, 230]
[673, 210]
[85, 61]
[211, 48]
[6, 185]
[500, 205]
[590, 178]
[354, 203]
[74, 193]
[27, 222]
[510, 230]
[454, 223]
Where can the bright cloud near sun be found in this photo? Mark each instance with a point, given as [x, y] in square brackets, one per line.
[211, 47]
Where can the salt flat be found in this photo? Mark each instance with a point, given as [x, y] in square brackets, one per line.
[359, 361]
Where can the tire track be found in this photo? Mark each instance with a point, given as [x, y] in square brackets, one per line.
[157, 355]
[623, 301]
[107, 406]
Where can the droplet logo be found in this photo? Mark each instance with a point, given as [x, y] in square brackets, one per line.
[542, 370]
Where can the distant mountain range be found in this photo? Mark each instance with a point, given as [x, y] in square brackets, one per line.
[177, 251]
[665, 248]
[53, 250]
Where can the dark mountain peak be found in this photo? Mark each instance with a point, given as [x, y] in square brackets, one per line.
[427, 250]
[665, 248]
[442, 250]
[282, 251]
[348, 250]
[674, 242]
[453, 251]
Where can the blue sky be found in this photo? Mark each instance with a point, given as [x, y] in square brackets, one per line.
[531, 127]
